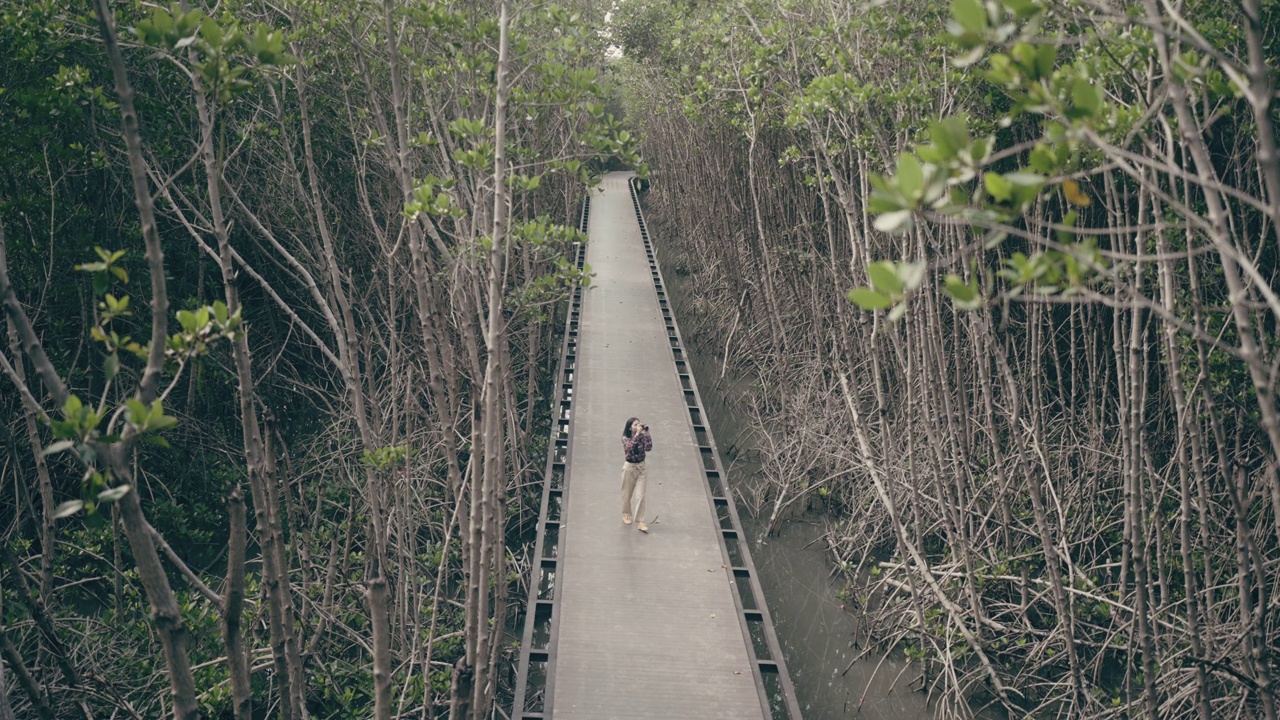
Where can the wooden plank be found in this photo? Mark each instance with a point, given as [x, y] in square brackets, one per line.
[647, 623]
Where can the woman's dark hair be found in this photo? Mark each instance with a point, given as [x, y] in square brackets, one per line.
[626, 431]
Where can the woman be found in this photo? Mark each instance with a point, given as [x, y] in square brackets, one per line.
[635, 443]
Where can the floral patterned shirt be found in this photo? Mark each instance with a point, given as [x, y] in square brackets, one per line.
[636, 446]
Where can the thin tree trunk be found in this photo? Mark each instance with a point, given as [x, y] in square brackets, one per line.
[378, 604]
[6, 710]
[37, 608]
[275, 571]
[488, 544]
[164, 605]
[35, 693]
[48, 546]
[165, 611]
[233, 607]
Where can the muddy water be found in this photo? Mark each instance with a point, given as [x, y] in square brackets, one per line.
[817, 635]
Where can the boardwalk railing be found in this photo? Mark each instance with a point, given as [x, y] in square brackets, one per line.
[772, 680]
[535, 680]
[538, 643]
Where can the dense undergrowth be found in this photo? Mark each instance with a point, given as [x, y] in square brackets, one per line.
[281, 284]
[1004, 272]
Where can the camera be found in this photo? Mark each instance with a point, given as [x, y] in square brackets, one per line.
[645, 428]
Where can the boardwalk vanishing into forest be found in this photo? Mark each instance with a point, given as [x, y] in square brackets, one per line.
[669, 624]
[989, 292]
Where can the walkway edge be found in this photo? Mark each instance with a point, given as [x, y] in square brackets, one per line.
[768, 664]
[536, 671]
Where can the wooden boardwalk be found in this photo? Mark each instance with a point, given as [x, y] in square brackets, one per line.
[648, 626]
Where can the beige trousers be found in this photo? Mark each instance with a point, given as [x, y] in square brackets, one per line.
[634, 478]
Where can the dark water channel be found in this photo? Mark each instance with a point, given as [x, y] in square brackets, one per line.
[817, 635]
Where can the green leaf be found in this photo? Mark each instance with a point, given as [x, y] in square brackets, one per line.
[1026, 186]
[57, 447]
[113, 494]
[910, 176]
[868, 299]
[959, 289]
[188, 320]
[163, 422]
[137, 411]
[950, 135]
[911, 274]
[1025, 179]
[997, 186]
[973, 56]
[1022, 9]
[1042, 160]
[64, 429]
[933, 154]
[212, 33]
[897, 312]
[1085, 97]
[882, 200]
[970, 15]
[67, 509]
[1045, 57]
[190, 21]
[893, 222]
[1069, 220]
[111, 366]
[981, 150]
[884, 278]
[1024, 55]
